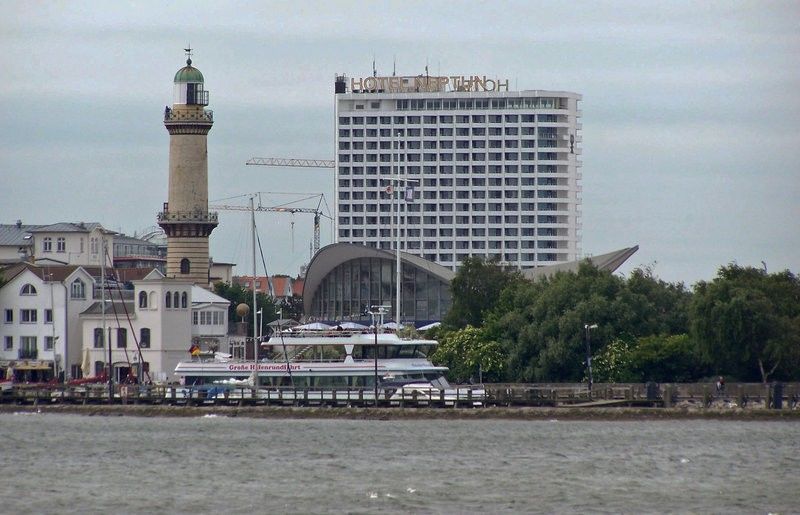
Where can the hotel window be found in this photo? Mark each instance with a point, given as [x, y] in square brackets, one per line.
[28, 316]
[194, 318]
[176, 299]
[184, 300]
[168, 300]
[48, 316]
[185, 266]
[9, 318]
[28, 289]
[9, 343]
[142, 298]
[47, 244]
[61, 245]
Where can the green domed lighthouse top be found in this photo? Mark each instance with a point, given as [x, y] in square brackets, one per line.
[189, 73]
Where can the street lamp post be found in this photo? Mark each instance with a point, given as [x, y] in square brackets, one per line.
[588, 329]
[396, 182]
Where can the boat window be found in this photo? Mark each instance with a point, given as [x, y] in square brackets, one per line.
[422, 351]
[406, 351]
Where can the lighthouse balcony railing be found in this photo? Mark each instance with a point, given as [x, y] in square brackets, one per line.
[206, 115]
[188, 216]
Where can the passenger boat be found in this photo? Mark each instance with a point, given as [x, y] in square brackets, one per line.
[321, 359]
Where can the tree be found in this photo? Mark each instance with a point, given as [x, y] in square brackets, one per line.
[468, 354]
[660, 358]
[747, 323]
[540, 324]
[475, 289]
[292, 307]
[238, 294]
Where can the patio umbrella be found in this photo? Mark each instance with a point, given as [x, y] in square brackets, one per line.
[86, 363]
[314, 326]
[352, 325]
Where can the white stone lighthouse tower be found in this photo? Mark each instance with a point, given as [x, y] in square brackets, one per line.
[185, 218]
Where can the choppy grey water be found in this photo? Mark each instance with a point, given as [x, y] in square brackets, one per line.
[73, 464]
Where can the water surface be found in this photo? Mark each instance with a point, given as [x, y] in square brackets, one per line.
[213, 464]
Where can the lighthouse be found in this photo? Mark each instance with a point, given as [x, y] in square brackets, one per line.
[185, 217]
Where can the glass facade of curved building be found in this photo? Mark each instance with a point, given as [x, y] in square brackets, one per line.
[353, 287]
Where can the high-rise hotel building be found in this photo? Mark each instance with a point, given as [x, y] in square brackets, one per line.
[495, 172]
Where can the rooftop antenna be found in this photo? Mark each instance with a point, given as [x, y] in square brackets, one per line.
[374, 70]
[188, 51]
[394, 65]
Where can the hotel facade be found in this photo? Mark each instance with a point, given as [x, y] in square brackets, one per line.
[473, 168]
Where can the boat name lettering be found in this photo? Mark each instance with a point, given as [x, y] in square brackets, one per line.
[248, 367]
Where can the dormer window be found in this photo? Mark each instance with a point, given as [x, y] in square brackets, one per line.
[78, 289]
[28, 289]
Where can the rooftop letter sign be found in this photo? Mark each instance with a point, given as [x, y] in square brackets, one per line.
[423, 83]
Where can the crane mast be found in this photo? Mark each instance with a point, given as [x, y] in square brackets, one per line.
[289, 162]
[279, 209]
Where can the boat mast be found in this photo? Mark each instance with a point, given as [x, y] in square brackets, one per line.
[103, 314]
[255, 307]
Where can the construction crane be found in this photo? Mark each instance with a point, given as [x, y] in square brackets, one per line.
[284, 209]
[279, 161]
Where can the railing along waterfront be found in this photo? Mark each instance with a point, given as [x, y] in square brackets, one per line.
[699, 395]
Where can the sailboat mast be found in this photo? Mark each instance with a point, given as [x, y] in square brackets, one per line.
[255, 306]
[103, 315]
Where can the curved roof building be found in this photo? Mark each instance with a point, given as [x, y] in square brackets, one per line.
[345, 280]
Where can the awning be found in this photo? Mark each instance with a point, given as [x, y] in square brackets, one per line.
[33, 367]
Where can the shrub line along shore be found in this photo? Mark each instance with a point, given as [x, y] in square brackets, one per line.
[491, 413]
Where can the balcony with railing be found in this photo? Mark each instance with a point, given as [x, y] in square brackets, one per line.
[197, 216]
[188, 115]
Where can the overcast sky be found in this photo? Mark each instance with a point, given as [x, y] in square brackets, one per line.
[691, 111]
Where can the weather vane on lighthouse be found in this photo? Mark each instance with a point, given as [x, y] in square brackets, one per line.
[188, 51]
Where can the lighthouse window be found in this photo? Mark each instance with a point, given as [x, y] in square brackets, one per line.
[185, 266]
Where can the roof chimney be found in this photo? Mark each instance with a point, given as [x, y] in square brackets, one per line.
[19, 224]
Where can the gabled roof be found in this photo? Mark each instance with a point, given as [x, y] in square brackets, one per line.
[280, 286]
[297, 286]
[61, 272]
[120, 307]
[79, 227]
